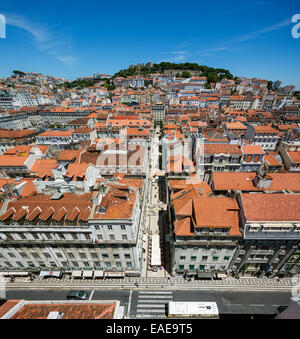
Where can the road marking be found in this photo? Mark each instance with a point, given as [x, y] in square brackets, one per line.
[156, 296]
[91, 295]
[150, 301]
[129, 304]
[162, 292]
[152, 311]
[253, 305]
[151, 306]
[144, 316]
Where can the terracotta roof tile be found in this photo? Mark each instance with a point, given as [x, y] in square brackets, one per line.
[69, 310]
[271, 207]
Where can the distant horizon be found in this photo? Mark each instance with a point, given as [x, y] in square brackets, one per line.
[70, 41]
[113, 73]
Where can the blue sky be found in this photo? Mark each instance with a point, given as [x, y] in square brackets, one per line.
[71, 39]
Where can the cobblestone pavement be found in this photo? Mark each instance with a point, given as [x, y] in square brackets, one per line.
[144, 283]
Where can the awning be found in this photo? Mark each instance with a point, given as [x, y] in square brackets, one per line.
[56, 274]
[132, 273]
[189, 273]
[98, 274]
[114, 274]
[278, 225]
[155, 255]
[76, 274]
[87, 274]
[206, 275]
[4, 274]
[19, 274]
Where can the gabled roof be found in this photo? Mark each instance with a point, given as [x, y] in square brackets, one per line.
[43, 167]
[12, 161]
[68, 155]
[77, 170]
[42, 206]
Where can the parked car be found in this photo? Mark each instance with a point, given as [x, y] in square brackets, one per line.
[77, 295]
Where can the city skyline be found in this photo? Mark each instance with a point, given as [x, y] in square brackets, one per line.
[149, 162]
[63, 42]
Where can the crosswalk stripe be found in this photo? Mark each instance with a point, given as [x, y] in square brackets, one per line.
[164, 292]
[146, 316]
[151, 306]
[146, 301]
[151, 311]
[155, 297]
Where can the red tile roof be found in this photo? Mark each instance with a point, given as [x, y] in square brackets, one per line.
[42, 206]
[221, 149]
[243, 181]
[206, 212]
[253, 149]
[74, 310]
[12, 161]
[116, 204]
[43, 167]
[77, 170]
[295, 157]
[271, 207]
[68, 155]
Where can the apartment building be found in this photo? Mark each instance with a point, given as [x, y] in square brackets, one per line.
[130, 159]
[116, 229]
[237, 128]
[223, 183]
[12, 138]
[83, 134]
[240, 102]
[265, 136]
[271, 232]
[67, 232]
[6, 101]
[61, 139]
[45, 232]
[253, 158]
[158, 112]
[13, 166]
[290, 153]
[221, 158]
[63, 115]
[16, 121]
[205, 234]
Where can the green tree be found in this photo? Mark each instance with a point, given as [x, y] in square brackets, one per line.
[186, 74]
[19, 73]
[270, 85]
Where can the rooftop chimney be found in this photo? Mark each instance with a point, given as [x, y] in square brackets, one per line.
[262, 181]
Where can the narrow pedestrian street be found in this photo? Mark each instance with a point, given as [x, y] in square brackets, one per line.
[154, 215]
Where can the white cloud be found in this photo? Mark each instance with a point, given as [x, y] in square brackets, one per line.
[268, 29]
[48, 39]
[68, 61]
[180, 55]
